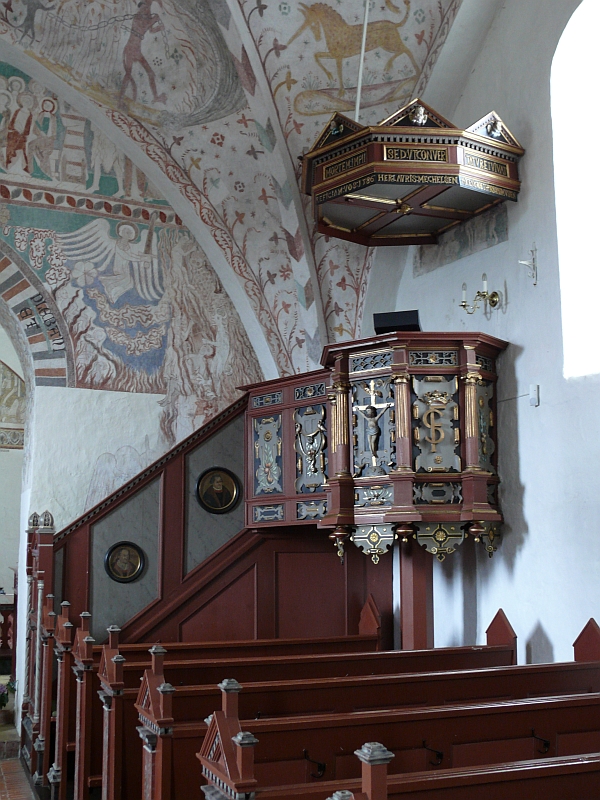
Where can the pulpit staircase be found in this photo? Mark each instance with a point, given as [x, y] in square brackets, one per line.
[254, 662]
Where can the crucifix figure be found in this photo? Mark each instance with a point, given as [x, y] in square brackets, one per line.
[370, 413]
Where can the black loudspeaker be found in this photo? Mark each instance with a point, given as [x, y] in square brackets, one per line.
[396, 321]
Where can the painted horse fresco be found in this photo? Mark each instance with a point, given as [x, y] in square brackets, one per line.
[344, 40]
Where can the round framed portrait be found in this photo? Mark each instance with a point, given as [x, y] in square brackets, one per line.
[218, 490]
[124, 562]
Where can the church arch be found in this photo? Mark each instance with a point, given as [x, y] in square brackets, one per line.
[37, 317]
[137, 144]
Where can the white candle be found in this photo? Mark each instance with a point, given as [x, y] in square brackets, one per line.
[464, 290]
[484, 279]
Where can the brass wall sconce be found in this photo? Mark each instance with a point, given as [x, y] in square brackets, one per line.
[489, 298]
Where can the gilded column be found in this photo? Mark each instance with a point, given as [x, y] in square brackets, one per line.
[340, 492]
[403, 441]
[472, 378]
[340, 419]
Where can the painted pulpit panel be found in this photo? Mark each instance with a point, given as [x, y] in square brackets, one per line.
[311, 447]
[436, 430]
[268, 461]
[373, 425]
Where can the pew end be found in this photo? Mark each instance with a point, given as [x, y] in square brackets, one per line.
[369, 623]
[586, 646]
[501, 632]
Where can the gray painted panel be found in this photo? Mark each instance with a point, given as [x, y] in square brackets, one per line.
[206, 532]
[136, 520]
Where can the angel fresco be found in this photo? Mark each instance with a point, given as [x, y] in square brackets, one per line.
[147, 313]
[117, 261]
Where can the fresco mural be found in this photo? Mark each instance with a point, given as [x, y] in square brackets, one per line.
[225, 97]
[144, 309]
[479, 233]
[113, 470]
[310, 53]
[12, 409]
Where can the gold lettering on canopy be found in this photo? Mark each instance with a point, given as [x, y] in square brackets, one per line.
[479, 162]
[415, 154]
[338, 167]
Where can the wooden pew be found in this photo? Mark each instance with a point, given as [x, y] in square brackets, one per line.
[91, 667]
[82, 680]
[559, 778]
[460, 736]
[297, 668]
[191, 704]
[275, 699]
[121, 684]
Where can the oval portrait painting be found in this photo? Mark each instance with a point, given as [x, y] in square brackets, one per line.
[218, 490]
[124, 562]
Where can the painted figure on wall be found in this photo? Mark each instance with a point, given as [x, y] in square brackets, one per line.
[46, 142]
[43, 143]
[143, 22]
[343, 40]
[17, 136]
[142, 56]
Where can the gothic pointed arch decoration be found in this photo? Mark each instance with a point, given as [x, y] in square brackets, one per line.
[38, 317]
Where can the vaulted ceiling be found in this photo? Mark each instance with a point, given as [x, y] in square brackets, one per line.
[200, 111]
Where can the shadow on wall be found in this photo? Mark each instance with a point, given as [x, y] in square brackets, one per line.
[464, 561]
[471, 560]
[511, 489]
[539, 648]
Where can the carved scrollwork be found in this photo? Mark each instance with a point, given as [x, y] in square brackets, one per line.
[441, 540]
[267, 455]
[310, 447]
[374, 540]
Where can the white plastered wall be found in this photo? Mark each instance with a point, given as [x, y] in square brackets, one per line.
[72, 429]
[11, 469]
[545, 574]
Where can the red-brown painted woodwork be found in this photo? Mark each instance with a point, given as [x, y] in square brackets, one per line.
[500, 631]
[416, 596]
[587, 645]
[215, 620]
[550, 779]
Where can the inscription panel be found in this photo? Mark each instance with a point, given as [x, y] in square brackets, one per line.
[355, 160]
[415, 154]
[486, 164]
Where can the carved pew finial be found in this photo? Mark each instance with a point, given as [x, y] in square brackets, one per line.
[501, 632]
[244, 745]
[230, 689]
[158, 652]
[227, 752]
[586, 646]
[375, 758]
[113, 637]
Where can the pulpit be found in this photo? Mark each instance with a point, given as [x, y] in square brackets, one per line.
[395, 439]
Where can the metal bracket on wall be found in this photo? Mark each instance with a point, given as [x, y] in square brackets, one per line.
[532, 270]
